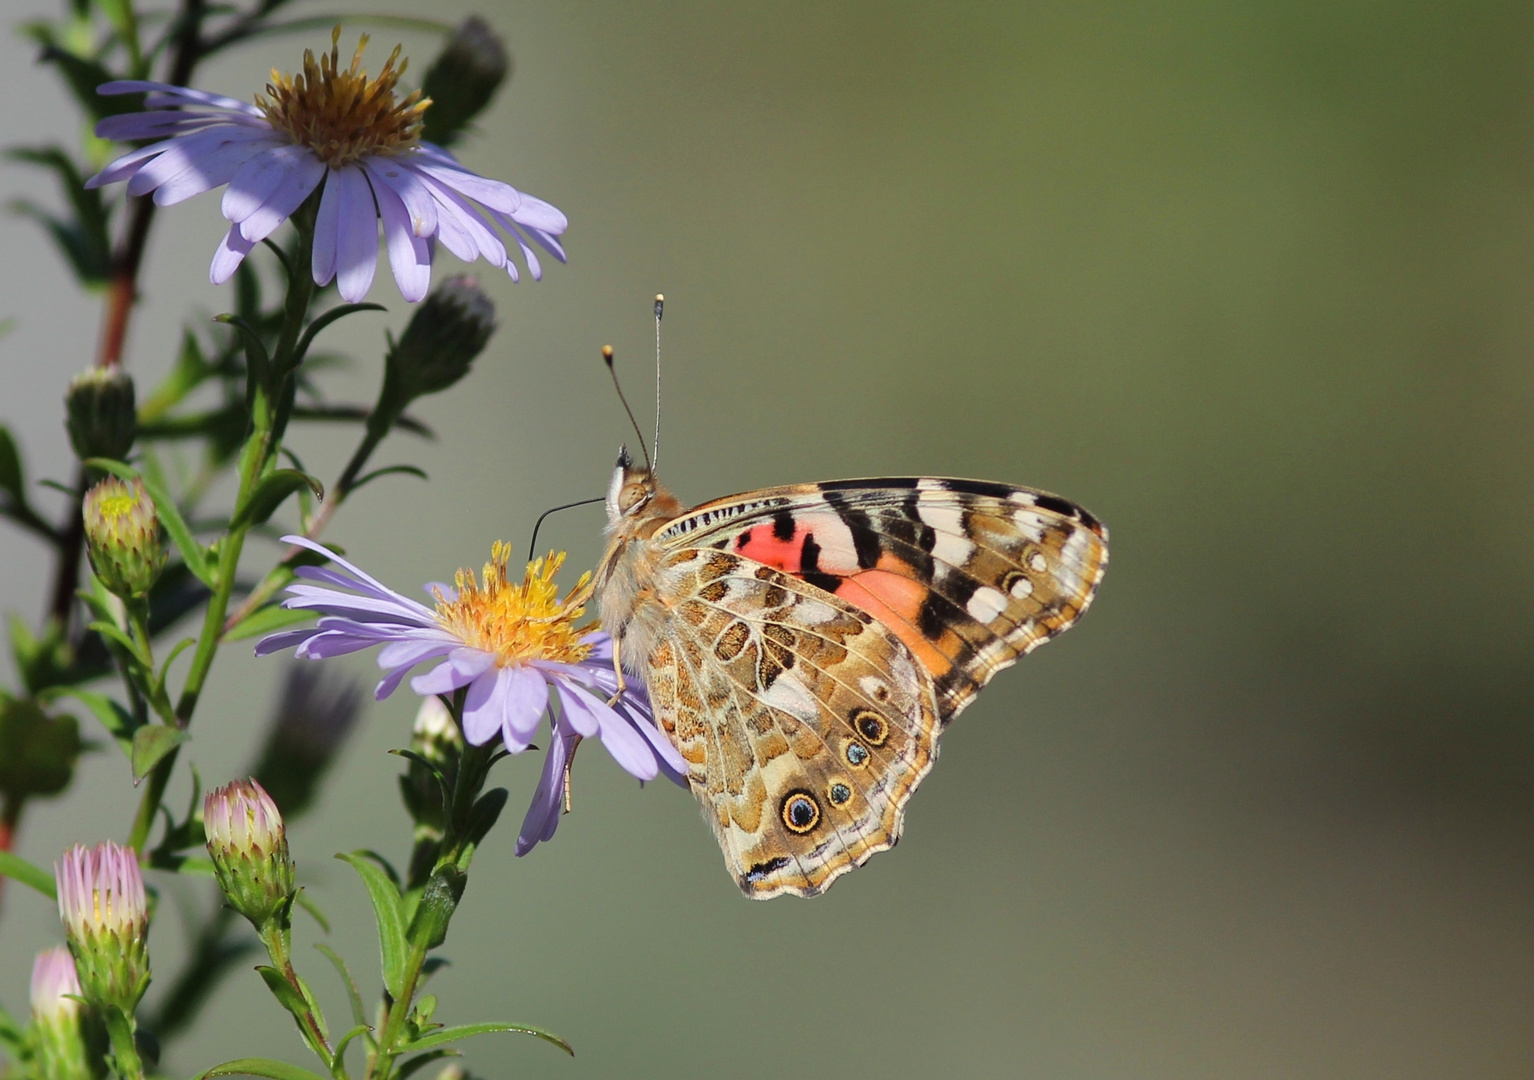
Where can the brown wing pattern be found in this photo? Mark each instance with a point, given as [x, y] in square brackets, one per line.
[806, 727]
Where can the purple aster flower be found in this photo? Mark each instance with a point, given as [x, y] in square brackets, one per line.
[514, 647]
[335, 127]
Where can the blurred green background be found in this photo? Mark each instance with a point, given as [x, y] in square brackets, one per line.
[1254, 282]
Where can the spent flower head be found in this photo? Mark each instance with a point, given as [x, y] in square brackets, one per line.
[332, 129]
[55, 1034]
[249, 848]
[122, 534]
[106, 919]
[515, 649]
[100, 413]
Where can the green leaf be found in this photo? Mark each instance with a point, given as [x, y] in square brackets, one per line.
[385, 896]
[340, 311]
[442, 1036]
[14, 866]
[192, 553]
[258, 362]
[360, 1029]
[84, 240]
[483, 817]
[115, 633]
[257, 1066]
[409, 470]
[273, 488]
[190, 371]
[11, 1035]
[415, 1064]
[150, 745]
[114, 717]
[286, 994]
[358, 1014]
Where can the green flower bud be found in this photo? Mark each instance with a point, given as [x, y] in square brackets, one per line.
[249, 847]
[449, 329]
[57, 1042]
[106, 918]
[463, 79]
[436, 738]
[122, 533]
[100, 413]
[37, 751]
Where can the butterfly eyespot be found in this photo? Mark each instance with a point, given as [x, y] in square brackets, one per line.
[857, 754]
[838, 793]
[1037, 562]
[801, 813]
[870, 725]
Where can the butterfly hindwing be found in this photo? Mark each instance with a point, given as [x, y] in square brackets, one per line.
[806, 726]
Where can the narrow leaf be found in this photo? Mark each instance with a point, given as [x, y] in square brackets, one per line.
[408, 470]
[288, 997]
[193, 553]
[271, 491]
[358, 1014]
[257, 1066]
[340, 311]
[108, 630]
[14, 866]
[415, 1064]
[150, 745]
[442, 1036]
[391, 922]
[12, 479]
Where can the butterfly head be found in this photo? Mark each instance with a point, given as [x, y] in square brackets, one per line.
[635, 496]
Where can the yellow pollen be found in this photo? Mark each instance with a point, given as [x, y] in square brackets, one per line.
[342, 115]
[517, 622]
[116, 507]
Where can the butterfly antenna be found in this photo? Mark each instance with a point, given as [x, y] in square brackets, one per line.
[533, 547]
[660, 308]
[607, 357]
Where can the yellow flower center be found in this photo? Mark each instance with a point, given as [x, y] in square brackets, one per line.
[517, 622]
[115, 507]
[343, 116]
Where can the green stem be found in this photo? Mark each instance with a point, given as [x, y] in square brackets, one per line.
[120, 1030]
[276, 937]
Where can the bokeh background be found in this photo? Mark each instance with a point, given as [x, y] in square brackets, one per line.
[1254, 282]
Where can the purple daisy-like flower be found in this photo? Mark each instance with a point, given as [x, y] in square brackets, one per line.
[335, 127]
[514, 647]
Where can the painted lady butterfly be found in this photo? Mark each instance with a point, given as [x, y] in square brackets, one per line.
[805, 646]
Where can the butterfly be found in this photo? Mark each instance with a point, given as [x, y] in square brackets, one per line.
[804, 646]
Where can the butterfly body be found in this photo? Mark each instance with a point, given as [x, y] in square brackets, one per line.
[804, 646]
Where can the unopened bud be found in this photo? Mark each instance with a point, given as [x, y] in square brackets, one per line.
[122, 533]
[463, 79]
[100, 413]
[106, 918]
[249, 848]
[56, 1039]
[435, 739]
[449, 329]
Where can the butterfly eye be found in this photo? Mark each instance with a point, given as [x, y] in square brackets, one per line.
[870, 725]
[801, 812]
[634, 496]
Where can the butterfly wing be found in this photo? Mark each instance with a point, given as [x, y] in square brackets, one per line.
[822, 634]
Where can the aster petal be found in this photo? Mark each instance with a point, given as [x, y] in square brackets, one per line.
[575, 712]
[399, 178]
[627, 747]
[130, 127]
[482, 707]
[127, 165]
[408, 653]
[451, 204]
[230, 253]
[260, 177]
[332, 643]
[178, 93]
[525, 698]
[312, 596]
[356, 233]
[543, 814]
[455, 234]
[487, 192]
[462, 666]
[306, 173]
[537, 214]
[351, 568]
[181, 152]
[285, 640]
[213, 168]
[671, 758]
[408, 254]
[326, 229]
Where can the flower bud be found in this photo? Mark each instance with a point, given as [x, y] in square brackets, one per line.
[446, 333]
[106, 918]
[57, 1041]
[436, 739]
[100, 413]
[435, 735]
[122, 533]
[313, 718]
[250, 850]
[463, 79]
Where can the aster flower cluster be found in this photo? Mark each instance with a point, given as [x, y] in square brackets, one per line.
[324, 167]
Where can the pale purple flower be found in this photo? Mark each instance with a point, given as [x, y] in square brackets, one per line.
[101, 892]
[511, 685]
[55, 986]
[330, 126]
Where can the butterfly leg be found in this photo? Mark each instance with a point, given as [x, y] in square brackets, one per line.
[618, 671]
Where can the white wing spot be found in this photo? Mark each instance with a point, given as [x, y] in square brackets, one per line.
[1021, 588]
[1037, 563]
[986, 604]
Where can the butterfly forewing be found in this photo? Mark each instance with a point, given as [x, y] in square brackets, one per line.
[968, 575]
